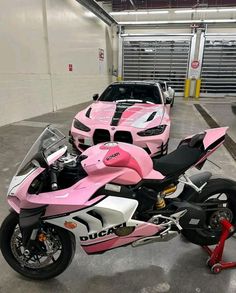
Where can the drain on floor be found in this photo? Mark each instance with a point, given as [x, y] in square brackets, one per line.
[229, 142]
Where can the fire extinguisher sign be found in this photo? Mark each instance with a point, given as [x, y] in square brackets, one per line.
[101, 54]
[70, 67]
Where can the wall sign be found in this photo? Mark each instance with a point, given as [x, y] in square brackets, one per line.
[195, 64]
[70, 67]
[101, 54]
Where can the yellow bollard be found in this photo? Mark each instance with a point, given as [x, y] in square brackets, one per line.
[119, 78]
[198, 88]
[187, 88]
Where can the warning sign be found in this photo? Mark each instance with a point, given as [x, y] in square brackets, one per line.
[195, 64]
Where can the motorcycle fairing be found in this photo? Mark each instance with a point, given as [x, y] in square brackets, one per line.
[96, 234]
[213, 135]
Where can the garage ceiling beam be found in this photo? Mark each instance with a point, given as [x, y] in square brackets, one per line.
[95, 8]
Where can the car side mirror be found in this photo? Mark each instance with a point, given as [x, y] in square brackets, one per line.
[95, 97]
[168, 100]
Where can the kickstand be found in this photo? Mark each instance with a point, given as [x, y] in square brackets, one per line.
[215, 260]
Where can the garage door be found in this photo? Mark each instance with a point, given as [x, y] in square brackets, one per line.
[219, 67]
[156, 59]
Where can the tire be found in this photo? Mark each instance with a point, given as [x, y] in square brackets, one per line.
[173, 100]
[210, 235]
[67, 242]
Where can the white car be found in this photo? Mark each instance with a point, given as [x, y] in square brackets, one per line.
[168, 91]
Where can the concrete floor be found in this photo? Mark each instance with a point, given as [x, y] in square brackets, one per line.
[176, 266]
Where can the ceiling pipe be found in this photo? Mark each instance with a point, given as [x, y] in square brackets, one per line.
[95, 8]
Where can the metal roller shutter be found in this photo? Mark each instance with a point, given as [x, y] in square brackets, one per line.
[156, 59]
[219, 67]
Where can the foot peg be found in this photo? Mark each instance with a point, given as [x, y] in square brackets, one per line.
[164, 237]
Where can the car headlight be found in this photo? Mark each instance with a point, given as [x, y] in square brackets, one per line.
[152, 131]
[79, 125]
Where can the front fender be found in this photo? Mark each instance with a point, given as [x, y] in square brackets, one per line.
[198, 179]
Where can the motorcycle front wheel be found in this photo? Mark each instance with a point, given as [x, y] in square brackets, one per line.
[49, 255]
[222, 194]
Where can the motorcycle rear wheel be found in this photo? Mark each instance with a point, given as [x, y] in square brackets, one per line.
[221, 188]
[38, 266]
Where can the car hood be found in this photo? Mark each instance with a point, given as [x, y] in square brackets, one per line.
[122, 114]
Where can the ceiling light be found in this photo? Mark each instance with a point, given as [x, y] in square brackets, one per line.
[185, 11]
[119, 13]
[138, 12]
[226, 9]
[143, 12]
[159, 12]
[207, 10]
[176, 21]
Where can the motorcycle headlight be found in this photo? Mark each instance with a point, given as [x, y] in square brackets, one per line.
[152, 131]
[79, 125]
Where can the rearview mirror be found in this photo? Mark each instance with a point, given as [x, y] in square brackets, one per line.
[95, 97]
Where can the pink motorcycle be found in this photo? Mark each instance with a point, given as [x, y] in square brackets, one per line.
[112, 195]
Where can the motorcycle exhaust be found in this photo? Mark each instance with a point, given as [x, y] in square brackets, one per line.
[163, 238]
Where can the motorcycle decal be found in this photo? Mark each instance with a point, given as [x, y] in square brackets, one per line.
[101, 233]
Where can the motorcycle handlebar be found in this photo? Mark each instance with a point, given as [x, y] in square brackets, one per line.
[53, 179]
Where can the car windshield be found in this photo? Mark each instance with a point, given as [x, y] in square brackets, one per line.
[134, 92]
[49, 141]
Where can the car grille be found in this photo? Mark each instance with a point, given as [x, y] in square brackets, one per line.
[123, 136]
[101, 135]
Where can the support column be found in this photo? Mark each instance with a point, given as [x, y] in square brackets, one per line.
[193, 81]
[120, 56]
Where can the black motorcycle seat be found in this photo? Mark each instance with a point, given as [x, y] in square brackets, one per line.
[177, 161]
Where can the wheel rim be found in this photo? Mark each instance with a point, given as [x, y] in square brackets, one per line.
[214, 228]
[42, 253]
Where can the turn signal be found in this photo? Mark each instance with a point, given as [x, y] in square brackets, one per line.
[70, 225]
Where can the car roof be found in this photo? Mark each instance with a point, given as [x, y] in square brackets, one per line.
[136, 82]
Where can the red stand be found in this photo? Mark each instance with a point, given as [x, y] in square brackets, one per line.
[215, 260]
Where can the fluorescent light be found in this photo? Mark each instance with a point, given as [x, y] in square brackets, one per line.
[207, 10]
[159, 12]
[220, 20]
[177, 21]
[226, 9]
[137, 12]
[141, 12]
[185, 11]
[119, 13]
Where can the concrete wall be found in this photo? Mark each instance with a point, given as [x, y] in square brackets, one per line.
[39, 39]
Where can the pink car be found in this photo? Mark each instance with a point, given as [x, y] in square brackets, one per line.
[132, 112]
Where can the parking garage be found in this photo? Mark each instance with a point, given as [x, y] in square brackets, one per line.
[59, 61]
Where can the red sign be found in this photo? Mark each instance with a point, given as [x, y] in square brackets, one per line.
[195, 64]
[70, 67]
[101, 54]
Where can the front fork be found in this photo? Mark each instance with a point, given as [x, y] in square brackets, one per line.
[29, 220]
